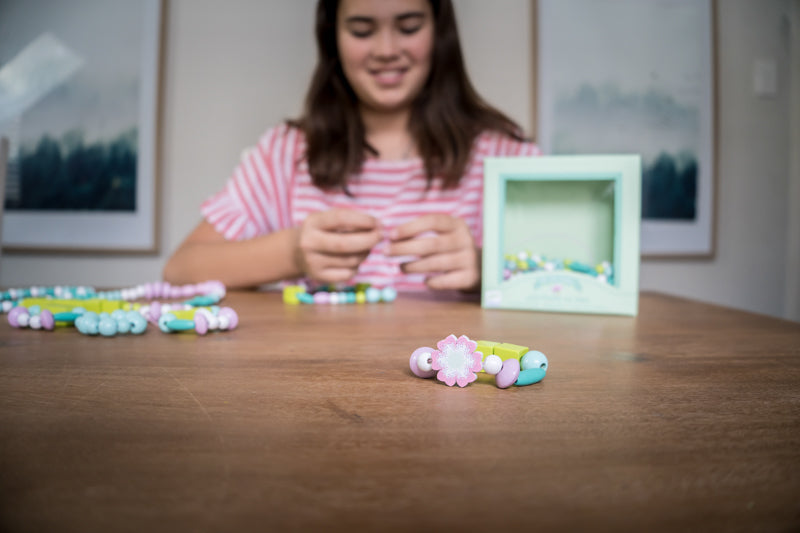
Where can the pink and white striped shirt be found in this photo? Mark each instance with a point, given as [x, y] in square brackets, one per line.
[271, 190]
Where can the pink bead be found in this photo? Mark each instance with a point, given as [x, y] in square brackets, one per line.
[163, 289]
[213, 286]
[508, 374]
[14, 314]
[233, 318]
[200, 324]
[412, 363]
[48, 322]
[154, 313]
[322, 297]
[187, 291]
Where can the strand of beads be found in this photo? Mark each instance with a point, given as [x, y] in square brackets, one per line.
[109, 313]
[201, 320]
[9, 297]
[361, 293]
[148, 291]
[522, 262]
[110, 324]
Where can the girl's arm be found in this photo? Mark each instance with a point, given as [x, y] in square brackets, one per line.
[327, 247]
[205, 254]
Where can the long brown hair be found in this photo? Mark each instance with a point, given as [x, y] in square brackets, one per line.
[446, 116]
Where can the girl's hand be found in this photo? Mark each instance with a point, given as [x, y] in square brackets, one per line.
[332, 244]
[444, 250]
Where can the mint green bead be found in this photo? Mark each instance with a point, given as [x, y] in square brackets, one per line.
[123, 325]
[107, 327]
[138, 323]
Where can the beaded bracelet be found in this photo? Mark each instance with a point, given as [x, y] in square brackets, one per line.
[361, 293]
[458, 360]
[515, 264]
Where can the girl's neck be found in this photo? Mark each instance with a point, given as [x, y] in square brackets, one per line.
[388, 134]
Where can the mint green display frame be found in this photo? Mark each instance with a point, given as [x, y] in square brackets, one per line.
[584, 208]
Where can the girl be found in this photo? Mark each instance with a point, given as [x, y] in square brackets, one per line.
[381, 178]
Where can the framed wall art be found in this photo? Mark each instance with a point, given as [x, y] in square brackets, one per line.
[636, 76]
[79, 94]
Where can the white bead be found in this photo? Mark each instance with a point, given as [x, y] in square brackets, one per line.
[213, 322]
[7, 305]
[22, 319]
[166, 308]
[492, 364]
[424, 361]
[35, 292]
[224, 323]
[140, 292]
[35, 322]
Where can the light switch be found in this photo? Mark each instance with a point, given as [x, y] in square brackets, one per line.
[765, 78]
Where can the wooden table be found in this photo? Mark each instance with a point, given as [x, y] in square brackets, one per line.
[686, 418]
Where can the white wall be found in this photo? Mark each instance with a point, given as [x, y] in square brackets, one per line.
[234, 68]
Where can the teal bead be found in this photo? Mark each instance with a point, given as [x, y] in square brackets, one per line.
[180, 324]
[530, 376]
[373, 295]
[66, 317]
[34, 310]
[306, 298]
[118, 314]
[575, 266]
[203, 300]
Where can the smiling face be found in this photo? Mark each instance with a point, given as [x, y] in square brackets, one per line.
[385, 48]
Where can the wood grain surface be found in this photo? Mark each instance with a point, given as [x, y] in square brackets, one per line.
[306, 418]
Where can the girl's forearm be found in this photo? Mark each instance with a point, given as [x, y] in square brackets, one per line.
[238, 264]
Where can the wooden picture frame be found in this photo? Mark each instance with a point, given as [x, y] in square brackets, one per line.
[636, 76]
[82, 172]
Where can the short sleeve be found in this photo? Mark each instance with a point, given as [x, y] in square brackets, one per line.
[256, 197]
[499, 145]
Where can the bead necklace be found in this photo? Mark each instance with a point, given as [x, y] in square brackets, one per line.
[108, 313]
[361, 293]
[522, 262]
